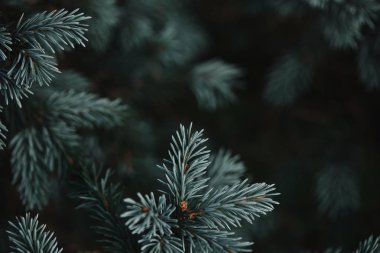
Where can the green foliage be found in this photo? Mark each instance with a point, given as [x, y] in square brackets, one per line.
[159, 244]
[181, 41]
[159, 42]
[342, 21]
[370, 245]
[138, 27]
[5, 42]
[213, 83]
[33, 66]
[229, 205]
[187, 164]
[290, 76]
[337, 190]
[48, 141]
[85, 110]
[163, 25]
[102, 199]
[2, 136]
[52, 30]
[156, 216]
[68, 80]
[336, 25]
[225, 169]
[105, 15]
[33, 42]
[189, 216]
[27, 235]
[36, 154]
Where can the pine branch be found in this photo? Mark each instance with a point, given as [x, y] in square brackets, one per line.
[149, 215]
[5, 42]
[158, 244]
[231, 204]
[2, 136]
[337, 191]
[102, 200]
[28, 40]
[10, 90]
[53, 30]
[105, 16]
[67, 80]
[191, 216]
[85, 109]
[204, 240]
[370, 245]
[48, 142]
[213, 83]
[187, 165]
[36, 153]
[26, 235]
[180, 40]
[289, 77]
[31, 66]
[342, 21]
[138, 27]
[225, 169]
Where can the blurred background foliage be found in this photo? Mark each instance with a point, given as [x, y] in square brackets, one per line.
[297, 109]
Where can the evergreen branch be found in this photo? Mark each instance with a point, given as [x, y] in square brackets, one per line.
[213, 83]
[52, 144]
[184, 173]
[231, 204]
[225, 169]
[30, 63]
[138, 30]
[26, 235]
[36, 153]
[2, 136]
[102, 200]
[180, 41]
[28, 170]
[85, 109]
[11, 90]
[370, 245]
[337, 191]
[5, 42]
[63, 82]
[203, 239]
[289, 77]
[31, 66]
[105, 15]
[158, 244]
[53, 30]
[191, 214]
[342, 22]
[149, 215]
